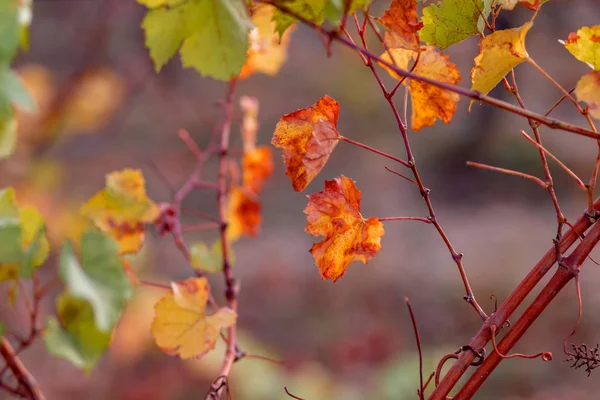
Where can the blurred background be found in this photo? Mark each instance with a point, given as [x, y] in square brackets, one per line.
[103, 108]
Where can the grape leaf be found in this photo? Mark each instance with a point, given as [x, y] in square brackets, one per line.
[74, 336]
[257, 166]
[165, 30]
[399, 57]
[588, 90]
[267, 52]
[585, 45]
[311, 10]
[181, 326]
[209, 260]
[122, 208]
[23, 242]
[8, 134]
[213, 35]
[334, 10]
[243, 214]
[218, 42]
[498, 54]
[9, 31]
[402, 25]
[99, 278]
[450, 21]
[428, 101]
[307, 137]
[335, 214]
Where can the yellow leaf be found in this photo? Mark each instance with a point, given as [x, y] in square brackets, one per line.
[122, 208]
[267, 52]
[498, 54]
[430, 102]
[585, 45]
[181, 326]
[398, 57]
[335, 214]
[588, 90]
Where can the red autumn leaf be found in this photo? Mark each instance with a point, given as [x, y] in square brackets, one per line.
[335, 214]
[402, 24]
[307, 137]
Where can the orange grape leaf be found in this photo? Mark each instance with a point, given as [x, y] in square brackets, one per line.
[498, 54]
[588, 90]
[267, 52]
[430, 102]
[402, 24]
[335, 214]
[181, 326]
[398, 57]
[307, 137]
[585, 45]
[257, 166]
[122, 209]
[243, 214]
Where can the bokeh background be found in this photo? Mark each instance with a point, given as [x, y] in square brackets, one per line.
[88, 69]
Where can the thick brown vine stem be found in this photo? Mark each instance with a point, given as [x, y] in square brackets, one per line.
[472, 94]
[567, 270]
[22, 375]
[510, 304]
[231, 286]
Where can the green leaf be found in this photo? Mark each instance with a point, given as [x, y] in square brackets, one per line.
[13, 92]
[486, 10]
[312, 10]
[213, 35]
[334, 9]
[100, 278]
[165, 30]
[9, 31]
[210, 261]
[8, 135]
[218, 40]
[74, 336]
[450, 21]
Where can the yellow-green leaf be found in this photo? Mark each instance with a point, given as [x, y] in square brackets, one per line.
[585, 45]
[181, 326]
[450, 21]
[209, 260]
[74, 336]
[122, 209]
[498, 54]
[311, 10]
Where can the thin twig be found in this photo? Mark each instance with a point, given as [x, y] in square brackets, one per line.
[231, 286]
[418, 339]
[373, 150]
[508, 172]
[552, 156]
[420, 219]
